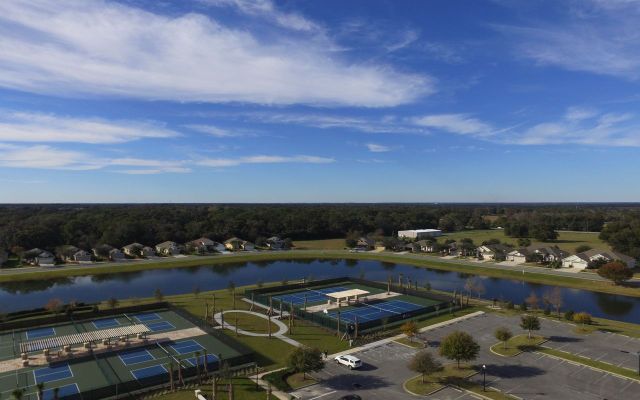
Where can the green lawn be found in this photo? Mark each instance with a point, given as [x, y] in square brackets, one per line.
[243, 389]
[324, 244]
[517, 345]
[416, 343]
[567, 241]
[439, 379]
[632, 374]
[296, 381]
[250, 323]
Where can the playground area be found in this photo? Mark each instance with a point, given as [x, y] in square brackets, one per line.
[350, 304]
[171, 347]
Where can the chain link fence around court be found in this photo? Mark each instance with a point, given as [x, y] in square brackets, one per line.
[433, 304]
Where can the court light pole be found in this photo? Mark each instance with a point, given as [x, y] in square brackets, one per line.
[484, 378]
[638, 353]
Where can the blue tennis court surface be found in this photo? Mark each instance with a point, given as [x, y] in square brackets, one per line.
[106, 323]
[376, 311]
[40, 333]
[63, 391]
[147, 317]
[211, 359]
[135, 357]
[186, 347]
[50, 374]
[312, 296]
[148, 372]
[160, 326]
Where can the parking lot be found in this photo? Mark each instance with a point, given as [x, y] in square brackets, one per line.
[528, 375]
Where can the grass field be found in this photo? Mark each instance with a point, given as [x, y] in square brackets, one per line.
[250, 323]
[437, 380]
[517, 345]
[326, 244]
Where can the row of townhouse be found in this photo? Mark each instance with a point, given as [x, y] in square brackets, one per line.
[203, 245]
[500, 252]
[552, 254]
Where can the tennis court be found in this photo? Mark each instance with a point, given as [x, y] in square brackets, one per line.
[147, 317]
[106, 323]
[160, 326]
[64, 392]
[135, 357]
[312, 296]
[102, 374]
[148, 372]
[52, 373]
[186, 346]
[33, 334]
[371, 312]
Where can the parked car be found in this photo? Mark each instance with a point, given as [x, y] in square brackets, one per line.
[350, 397]
[350, 361]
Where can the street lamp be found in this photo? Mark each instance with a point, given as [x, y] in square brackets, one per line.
[638, 353]
[484, 377]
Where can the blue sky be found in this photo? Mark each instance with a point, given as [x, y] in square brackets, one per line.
[319, 101]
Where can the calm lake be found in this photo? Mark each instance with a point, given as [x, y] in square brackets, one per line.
[33, 294]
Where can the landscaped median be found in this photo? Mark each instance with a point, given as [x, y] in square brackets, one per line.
[517, 345]
[451, 375]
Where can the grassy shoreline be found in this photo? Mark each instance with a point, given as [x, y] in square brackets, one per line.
[426, 262]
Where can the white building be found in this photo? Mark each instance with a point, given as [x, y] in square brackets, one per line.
[418, 234]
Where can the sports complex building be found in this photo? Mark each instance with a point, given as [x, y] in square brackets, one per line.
[352, 306]
[115, 355]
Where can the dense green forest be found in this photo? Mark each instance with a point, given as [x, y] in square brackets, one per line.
[47, 226]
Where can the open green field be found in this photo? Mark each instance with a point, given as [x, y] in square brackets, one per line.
[326, 244]
[567, 241]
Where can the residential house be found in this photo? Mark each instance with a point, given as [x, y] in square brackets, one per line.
[413, 247]
[133, 249]
[81, 256]
[492, 251]
[102, 251]
[428, 246]
[45, 259]
[65, 253]
[247, 246]
[450, 249]
[202, 245]
[36, 255]
[116, 255]
[168, 248]
[233, 244]
[517, 256]
[546, 254]
[365, 243]
[582, 260]
[148, 251]
[275, 243]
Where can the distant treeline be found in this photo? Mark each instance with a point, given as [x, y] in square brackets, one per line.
[47, 226]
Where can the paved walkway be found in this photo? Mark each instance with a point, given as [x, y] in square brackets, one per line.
[279, 335]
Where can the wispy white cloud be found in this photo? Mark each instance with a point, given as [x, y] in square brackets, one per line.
[263, 159]
[594, 36]
[48, 128]
[94, 47]
[217, 131]
[377, 148]
[462, 124]
[266, 9]
[377, 124]
[52, 158]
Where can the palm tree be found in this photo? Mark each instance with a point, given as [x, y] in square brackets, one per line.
[40, 387]
[17, 394]
[197, 356]
[170, 365]
[205, 361]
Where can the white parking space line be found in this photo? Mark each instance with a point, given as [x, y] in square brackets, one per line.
[322, 395]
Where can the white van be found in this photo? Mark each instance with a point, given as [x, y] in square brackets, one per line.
[350, 361]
